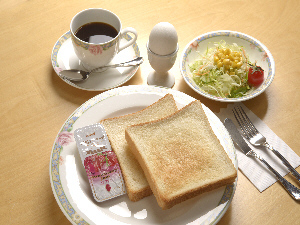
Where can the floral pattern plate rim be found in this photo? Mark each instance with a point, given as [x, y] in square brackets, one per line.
[70, 184]
[64, 57]
[254, 48]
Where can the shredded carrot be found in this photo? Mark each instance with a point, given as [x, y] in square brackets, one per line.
[199, 70]
[244, 54]
[201, 74]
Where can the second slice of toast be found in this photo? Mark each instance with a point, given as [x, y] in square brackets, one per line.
[180, 155]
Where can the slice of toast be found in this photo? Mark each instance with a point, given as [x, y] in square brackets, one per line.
[180, 155]
[136, 183]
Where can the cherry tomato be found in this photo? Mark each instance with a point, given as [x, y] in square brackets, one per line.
[255, 76]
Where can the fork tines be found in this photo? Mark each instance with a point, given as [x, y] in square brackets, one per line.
[244, 122]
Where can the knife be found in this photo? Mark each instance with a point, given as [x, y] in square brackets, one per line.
[238, 139]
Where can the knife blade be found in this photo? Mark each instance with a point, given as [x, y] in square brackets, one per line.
[236, 136]
[238, 139]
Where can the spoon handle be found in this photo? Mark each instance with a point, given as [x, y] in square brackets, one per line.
[134, 62]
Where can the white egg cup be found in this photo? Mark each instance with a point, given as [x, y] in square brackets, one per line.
[161, 64]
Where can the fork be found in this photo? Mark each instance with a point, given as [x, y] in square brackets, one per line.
[256, 138]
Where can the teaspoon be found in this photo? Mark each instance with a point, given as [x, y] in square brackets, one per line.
[80, 75]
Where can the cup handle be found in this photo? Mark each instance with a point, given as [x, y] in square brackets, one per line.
[128, 30]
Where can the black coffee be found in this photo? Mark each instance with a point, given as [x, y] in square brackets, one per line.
[96, 32]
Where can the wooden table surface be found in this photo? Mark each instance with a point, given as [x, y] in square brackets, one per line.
[35, 102]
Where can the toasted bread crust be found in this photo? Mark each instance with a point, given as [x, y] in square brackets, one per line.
[135, 181]
[180, 166]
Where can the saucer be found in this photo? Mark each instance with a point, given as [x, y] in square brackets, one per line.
[63, 57]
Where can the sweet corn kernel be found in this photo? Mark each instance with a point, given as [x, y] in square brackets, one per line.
[221, 56]
[227, 51]
[231, 57]
[239, 64]
[216, 59]
[226, 61]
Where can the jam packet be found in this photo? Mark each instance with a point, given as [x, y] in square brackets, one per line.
[100, 162]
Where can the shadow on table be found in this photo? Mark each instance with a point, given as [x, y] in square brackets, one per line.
[79, 96]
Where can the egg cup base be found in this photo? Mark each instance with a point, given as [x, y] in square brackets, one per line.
[161, 79]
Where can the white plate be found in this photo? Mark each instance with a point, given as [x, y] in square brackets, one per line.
[63, 57]
[71, 187]
[254, 48]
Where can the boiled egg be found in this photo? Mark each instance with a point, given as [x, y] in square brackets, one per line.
[163, 39]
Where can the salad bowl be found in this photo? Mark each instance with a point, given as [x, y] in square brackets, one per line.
[254, 49]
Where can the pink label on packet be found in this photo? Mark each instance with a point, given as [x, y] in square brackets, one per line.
[100, 162]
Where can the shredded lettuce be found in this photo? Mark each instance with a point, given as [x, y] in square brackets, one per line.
[226, 81]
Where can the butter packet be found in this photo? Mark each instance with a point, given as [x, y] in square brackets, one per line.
[100, 162]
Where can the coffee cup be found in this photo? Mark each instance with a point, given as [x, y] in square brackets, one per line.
[96, 35]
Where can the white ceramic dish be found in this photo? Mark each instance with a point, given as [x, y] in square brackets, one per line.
[63, 57]
[71, 187]
[254, 48]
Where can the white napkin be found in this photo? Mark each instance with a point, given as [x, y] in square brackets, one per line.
[252, 168]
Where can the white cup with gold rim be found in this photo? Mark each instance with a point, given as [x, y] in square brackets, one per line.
[94, 55]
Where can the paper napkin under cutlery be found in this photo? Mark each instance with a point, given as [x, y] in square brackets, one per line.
[254, 170]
